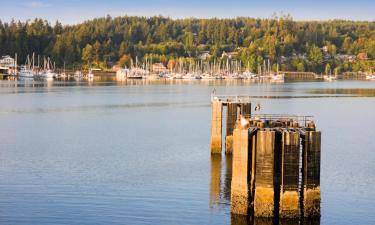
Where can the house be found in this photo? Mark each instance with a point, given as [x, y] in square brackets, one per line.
[204, 55]
[7, 62]
[159, 68]
[344, 57]
[362, 56]
[230, 55]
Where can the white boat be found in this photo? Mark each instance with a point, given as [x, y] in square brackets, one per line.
[177, 76]
[48, 74]
[168, 76]
[78, 74]
[249, 76]
[63, 75]
[277, 77]
[26, 72]
[153, 76]
[188, 76]
[90, 75]
[370, 77]
[207, 76]
[329, 78]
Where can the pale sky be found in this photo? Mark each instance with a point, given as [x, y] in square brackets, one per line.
[76, 11]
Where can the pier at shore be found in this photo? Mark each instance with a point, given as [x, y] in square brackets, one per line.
[276, 159]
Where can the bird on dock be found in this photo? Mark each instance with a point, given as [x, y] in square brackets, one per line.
[257, 107]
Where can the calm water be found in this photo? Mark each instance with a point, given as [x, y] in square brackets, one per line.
[137, 152]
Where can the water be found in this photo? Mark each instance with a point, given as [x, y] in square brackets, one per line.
[138, 152]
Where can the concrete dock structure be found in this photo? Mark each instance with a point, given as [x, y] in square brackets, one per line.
[290, 156]
[275, 163]
[216, 126]
[236, 105]
[231, 121]
[264, 174]
[311, 174]
[240, 175]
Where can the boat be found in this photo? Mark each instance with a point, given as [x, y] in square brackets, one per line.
[78, 74]
[207, 76]
[177, 76]
[48, 74]
[90, 75]
[188, 76]
[26, 72]
[277, 77]
[329, 77]
[370, 77]
[248, 75]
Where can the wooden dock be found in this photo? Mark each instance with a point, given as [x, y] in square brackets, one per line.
[299, 75]
[276, 160]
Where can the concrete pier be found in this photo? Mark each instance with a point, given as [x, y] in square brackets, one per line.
[240, 175]
[236, 105]
[264, 174]
[231, 121]
[311, 174]
[272, 176]
[216, 126]
[289, 195]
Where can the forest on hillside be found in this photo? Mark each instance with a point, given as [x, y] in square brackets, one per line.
[318, 46]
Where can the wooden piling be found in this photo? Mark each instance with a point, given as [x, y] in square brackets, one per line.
[264, 174]
[231, 121]
[311, 174]
[216, 127]
[289, 197]
[240, 175]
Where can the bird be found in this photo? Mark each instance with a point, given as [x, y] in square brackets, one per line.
[257, 107]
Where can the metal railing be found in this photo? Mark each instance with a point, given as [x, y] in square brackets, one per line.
[231, 98]
[282, 118]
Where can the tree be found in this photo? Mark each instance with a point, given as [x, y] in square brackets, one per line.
[125, 61]
[315, 57]
[300, 67]
[88, 54]
[328, 69]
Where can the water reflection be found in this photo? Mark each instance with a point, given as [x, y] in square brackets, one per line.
[364, 92]
[215, 181]
[227, 177]
[220, 188]
[244, 220]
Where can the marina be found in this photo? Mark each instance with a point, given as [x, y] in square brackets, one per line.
[187, 112]
[196, 71]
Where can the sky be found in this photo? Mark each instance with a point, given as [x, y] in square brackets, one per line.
[76, 11]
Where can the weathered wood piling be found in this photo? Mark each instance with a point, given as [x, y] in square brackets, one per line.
[276, 162]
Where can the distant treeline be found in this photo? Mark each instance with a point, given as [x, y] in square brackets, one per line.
[294, 45]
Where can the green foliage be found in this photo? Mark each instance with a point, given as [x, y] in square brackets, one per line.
[125, 61]
[315, 57]
[88, 54]
[328, 69]
[104, 41]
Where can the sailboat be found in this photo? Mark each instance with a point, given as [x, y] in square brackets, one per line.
[48, 72]
[26, 70]
[90, 75]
